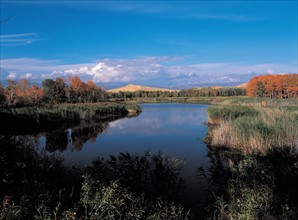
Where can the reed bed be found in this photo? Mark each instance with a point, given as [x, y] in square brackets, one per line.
[71, 111]
[45, 117]
[254, 130]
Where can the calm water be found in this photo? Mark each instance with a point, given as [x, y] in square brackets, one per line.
[177, 130]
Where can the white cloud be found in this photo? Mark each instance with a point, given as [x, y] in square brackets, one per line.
[11, 75]
[27, 76]
[18, 39]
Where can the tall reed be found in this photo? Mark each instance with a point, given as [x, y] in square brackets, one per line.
[254, 130]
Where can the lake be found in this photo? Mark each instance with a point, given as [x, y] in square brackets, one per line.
[176, 130]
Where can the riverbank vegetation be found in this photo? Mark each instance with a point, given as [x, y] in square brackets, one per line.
[193, 100]
[254, 130]
[47, 116]
[252, 186]
[253, 144]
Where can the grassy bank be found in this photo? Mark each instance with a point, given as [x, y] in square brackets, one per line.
[253, 102]
[53, 115]
[195, 100]
[254, 129]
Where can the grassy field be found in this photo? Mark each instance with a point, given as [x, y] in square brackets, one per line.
[198, 100]
[254, 102]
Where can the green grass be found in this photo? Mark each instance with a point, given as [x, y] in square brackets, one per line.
[194, 100]
[249, 194]
[254, 101]
[229, 113]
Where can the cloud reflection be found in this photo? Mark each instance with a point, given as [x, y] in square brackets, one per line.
[165, 122]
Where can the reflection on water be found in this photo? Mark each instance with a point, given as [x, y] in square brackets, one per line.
[74, 138]
[177, 130]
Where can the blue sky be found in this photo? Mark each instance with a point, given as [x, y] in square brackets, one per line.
[173, 44]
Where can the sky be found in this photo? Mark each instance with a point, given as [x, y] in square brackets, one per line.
[170, 44]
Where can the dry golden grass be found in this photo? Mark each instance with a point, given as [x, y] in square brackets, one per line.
[271, 128]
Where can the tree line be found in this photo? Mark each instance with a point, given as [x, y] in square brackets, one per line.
[273, 86]
[72, 90]
[204, 92]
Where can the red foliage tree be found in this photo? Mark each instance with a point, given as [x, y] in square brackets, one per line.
[273, 86]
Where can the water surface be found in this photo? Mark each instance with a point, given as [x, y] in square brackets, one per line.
[177, 130]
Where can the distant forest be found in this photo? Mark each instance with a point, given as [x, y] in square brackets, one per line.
[74, 90]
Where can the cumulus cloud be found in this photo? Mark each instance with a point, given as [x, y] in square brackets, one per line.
[123, 70]
[27, 76]
[11, 75]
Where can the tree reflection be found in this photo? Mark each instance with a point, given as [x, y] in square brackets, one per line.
[75, 137]
[56, 140]
[80, 135]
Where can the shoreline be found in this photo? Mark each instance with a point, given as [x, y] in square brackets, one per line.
[52, 116]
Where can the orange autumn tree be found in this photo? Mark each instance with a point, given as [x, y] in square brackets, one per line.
[80, 91]
[28, 94]
[273, 86]
[20, 93]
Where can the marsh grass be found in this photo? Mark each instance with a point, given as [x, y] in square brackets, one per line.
[54, 115]
[254, 130]
[112, 201]
[253, 186]
[229, 113]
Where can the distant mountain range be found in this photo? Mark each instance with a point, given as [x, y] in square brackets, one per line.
[134, 88]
